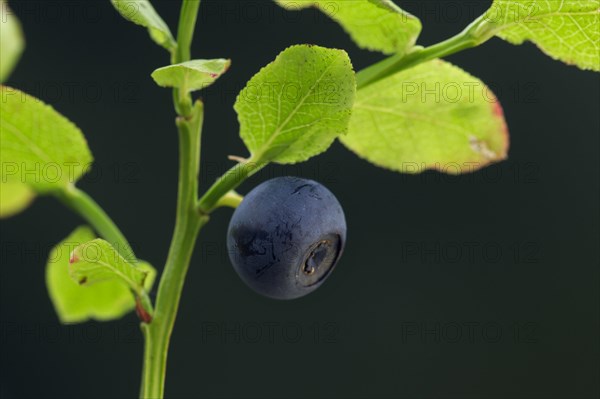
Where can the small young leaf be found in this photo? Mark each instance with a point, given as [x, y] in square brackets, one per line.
[40, 147]
[11, 41]
[150, 271]
[296, 106]
[378, 25]
[433, 116]
[141, 12]
[566, 30]
[74, 303]
[191, 75]
[14, 197]
[97, 261]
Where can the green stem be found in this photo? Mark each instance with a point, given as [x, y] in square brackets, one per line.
[87, 208]
[186, 28]
[185, 36]
[478, 32]
[226, 183]
[187, 225]
[188, 222]
[191, 216]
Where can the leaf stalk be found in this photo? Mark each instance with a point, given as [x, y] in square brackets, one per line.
[477, 33]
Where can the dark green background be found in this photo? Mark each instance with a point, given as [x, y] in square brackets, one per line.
[480, 286]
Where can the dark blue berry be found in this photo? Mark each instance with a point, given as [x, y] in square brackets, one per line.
[286, 237]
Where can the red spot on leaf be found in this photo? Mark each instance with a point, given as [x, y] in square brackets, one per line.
[73, 258]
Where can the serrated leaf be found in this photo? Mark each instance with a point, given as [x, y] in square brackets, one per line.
[40, 147]
[141, 12]
[14, 197]
[296, 106]
[433, 116]
[74, 303]
[11, 41]
[97, 261]
[191, 75]
[566, 30]
[378, 25]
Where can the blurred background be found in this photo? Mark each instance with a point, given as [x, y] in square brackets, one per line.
[479, 286]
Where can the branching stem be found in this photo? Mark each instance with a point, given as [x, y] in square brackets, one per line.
[157, 334]
[478, 32]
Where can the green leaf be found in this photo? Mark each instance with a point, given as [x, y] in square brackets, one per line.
[433, 116]
[14, 197]
[150, 272]
[40, 147]
[191, 75]
[41, 150]
[296, 106]
[74, 303]
[97, 261]
[141, 12]
[378, 25]
[566, 30]
[11, 41]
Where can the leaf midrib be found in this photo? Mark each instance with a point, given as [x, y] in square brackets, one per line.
[132, 284]
[279, 129]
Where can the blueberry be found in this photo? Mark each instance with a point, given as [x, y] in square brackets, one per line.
[286, 237]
